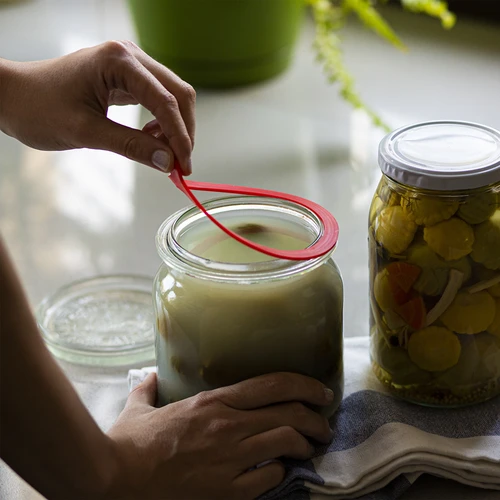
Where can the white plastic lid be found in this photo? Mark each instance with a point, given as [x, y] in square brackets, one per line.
[442, 155]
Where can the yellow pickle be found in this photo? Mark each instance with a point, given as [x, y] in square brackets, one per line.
[435, 264]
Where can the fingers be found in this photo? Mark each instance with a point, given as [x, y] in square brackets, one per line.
[144, 393]
[125, 72]
[256, 482]
[295, 415]
[153, 128]
[274, 388]
[183, 92]
[280, 442]
[103, 133]
[120, 98]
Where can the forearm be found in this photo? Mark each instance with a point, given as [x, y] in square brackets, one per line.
[47, 435]
[6, 73]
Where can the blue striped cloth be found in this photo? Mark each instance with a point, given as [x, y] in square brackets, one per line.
[382, 445]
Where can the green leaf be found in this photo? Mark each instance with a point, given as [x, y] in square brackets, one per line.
[327, 44]
[434, 8]
[331, 15]
[370, 17]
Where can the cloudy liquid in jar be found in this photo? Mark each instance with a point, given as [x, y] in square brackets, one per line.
[213, 244]
[213, 333]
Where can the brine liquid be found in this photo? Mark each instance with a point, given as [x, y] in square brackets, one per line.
[210, 242]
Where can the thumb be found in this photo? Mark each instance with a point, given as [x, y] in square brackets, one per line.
[134, 144]
[144, 393]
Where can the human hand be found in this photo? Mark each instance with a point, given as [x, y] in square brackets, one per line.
[62, 103]
[204, 447]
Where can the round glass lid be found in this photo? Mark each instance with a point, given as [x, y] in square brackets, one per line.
[106, 320]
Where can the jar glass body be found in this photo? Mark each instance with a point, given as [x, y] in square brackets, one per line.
[221, 323]
[435, 292]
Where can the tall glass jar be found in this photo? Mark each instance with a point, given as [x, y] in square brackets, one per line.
[225, 313]
[434, 235]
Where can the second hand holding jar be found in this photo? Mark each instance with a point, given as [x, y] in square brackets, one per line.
[434, 234]
[226, 312]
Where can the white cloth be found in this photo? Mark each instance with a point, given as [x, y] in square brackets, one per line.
[382, 445]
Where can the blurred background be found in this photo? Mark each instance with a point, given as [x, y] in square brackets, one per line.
[74, 214]
[266, 117]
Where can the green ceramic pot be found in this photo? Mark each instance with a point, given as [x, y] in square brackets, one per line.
[219, 43]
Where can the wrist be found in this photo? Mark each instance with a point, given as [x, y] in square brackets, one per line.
[120, 484]
[94, 478]
[110, 475]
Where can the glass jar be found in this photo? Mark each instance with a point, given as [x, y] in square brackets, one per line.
[434, 236]
[225, 312]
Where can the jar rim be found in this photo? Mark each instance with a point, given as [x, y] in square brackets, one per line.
[181, 259]
[447, 155]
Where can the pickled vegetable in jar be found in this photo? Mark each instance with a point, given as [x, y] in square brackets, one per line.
[435, 264]
[225, 312]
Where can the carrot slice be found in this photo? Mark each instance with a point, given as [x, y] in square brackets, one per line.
[399, 295]
[413, 312]
[402, 275]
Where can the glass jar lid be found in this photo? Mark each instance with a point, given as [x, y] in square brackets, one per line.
[105, 321]
[442, 155]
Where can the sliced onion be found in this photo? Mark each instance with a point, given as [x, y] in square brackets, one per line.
[484, 285]
[454, 283]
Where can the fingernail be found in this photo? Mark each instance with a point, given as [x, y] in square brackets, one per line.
[312, 450]
[161, 159]
[332, 434]
[328, 395]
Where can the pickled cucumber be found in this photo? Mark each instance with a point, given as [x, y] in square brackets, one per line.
[394, 230]
[388, 195]
[451, 239]
[470, 313]
[396, 362]
[393, 320]
[463, 373]
[434, 348]
[486, 248]
[478, 208]
[494, 328]
[479, 362]
[435, 270]
[383, 292]
[488, 347]
[427, 210]
[494, 290]
[375, 208]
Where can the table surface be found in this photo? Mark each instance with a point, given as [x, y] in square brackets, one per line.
[70, 215]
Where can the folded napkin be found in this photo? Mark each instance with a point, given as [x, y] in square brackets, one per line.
[382, 445]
